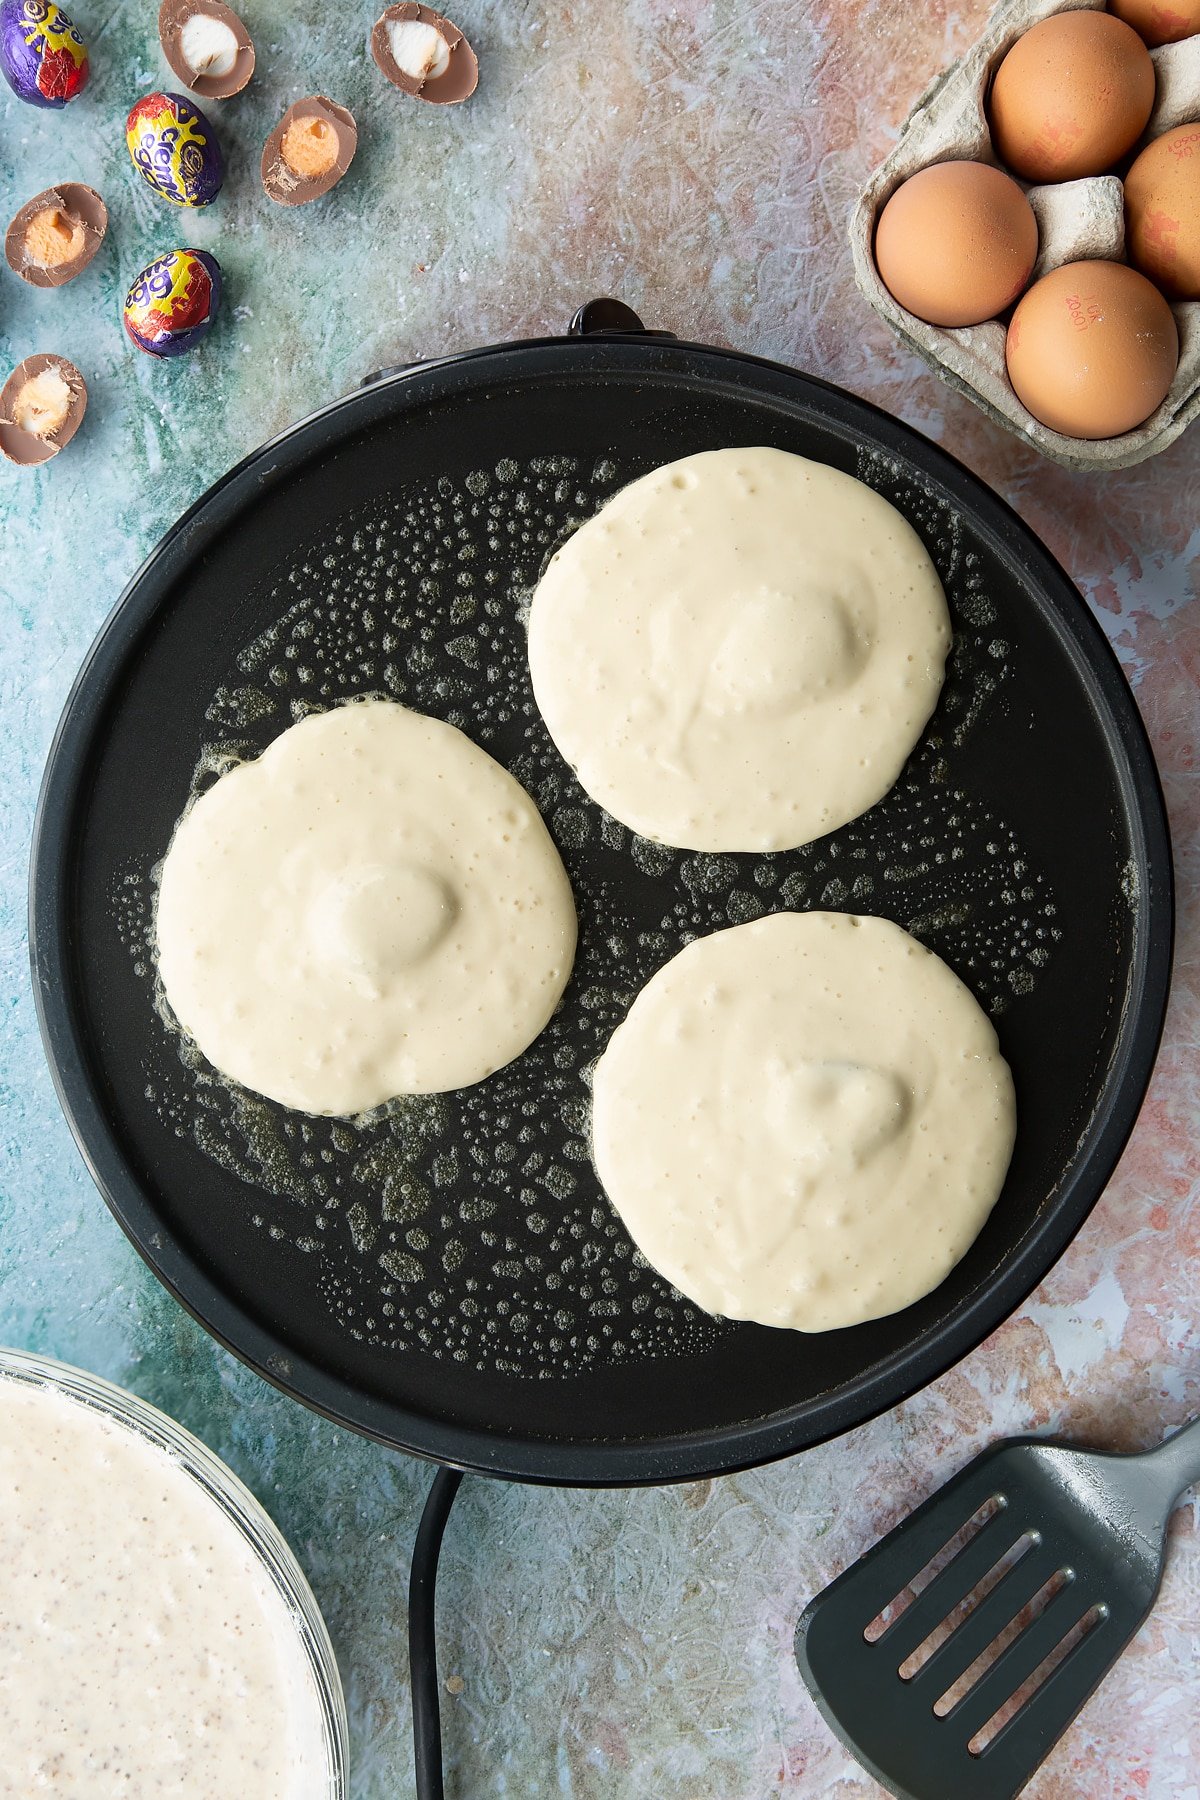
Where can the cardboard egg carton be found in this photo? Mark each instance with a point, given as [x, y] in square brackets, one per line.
[1076, 220]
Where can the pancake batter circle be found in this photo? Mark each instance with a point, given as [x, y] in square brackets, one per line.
[740, 651]
[371, 908]
[804, 1121]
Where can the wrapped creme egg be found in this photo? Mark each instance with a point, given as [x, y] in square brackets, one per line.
[45, 61]
[175, 149]
[173, 302]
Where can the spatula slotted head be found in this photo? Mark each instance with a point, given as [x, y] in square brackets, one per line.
[953, 1655]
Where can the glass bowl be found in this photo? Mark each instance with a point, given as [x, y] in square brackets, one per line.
[239, 1506]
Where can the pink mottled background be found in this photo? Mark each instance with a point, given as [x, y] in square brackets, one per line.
[706, 175]
[698, 158]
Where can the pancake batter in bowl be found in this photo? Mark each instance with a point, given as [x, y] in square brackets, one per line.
[146, 1650]
[804, 1121]
[372, 908]
[740, 650]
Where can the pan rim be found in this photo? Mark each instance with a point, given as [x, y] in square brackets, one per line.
[694, 1454]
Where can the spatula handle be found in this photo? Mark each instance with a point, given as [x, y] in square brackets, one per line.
[1178, 1459]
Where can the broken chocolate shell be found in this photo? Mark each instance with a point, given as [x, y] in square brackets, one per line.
[207, 46]
[41, 408]
[56, 234]
[423, 54]
[309, 151]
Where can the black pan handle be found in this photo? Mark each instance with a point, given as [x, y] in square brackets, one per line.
[603, 317]
[392, 369]
[610, 318]
[598, 318]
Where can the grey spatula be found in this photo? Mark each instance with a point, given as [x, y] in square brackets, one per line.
[952, 1656]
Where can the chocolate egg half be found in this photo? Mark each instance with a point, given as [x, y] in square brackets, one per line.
[309, 151]
[44, 59]
[56, 234]
[424, 55]
[175, 149]
[207, 46]
[173, 302]
[41, 408]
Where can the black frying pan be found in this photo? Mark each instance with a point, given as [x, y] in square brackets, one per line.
[451, 1280]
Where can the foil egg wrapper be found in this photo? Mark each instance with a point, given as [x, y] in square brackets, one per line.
[42, 54]
[171, 305]
[175, 149]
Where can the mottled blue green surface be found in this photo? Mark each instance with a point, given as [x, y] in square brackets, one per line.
[699, 159]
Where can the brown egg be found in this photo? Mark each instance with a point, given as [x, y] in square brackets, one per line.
[1162, 212]
[1092, 349]
[1159, 21]
[956, 243]
[1071, 97]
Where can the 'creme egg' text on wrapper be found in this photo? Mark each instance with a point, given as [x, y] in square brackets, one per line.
[175, 149]
[173, 302]
[44, 59]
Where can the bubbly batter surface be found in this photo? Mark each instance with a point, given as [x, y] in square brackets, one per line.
[804, 1121]
[144, 1650]
[372, 908]
[740, 650]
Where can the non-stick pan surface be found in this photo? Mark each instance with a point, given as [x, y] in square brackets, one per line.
[449, 1278]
